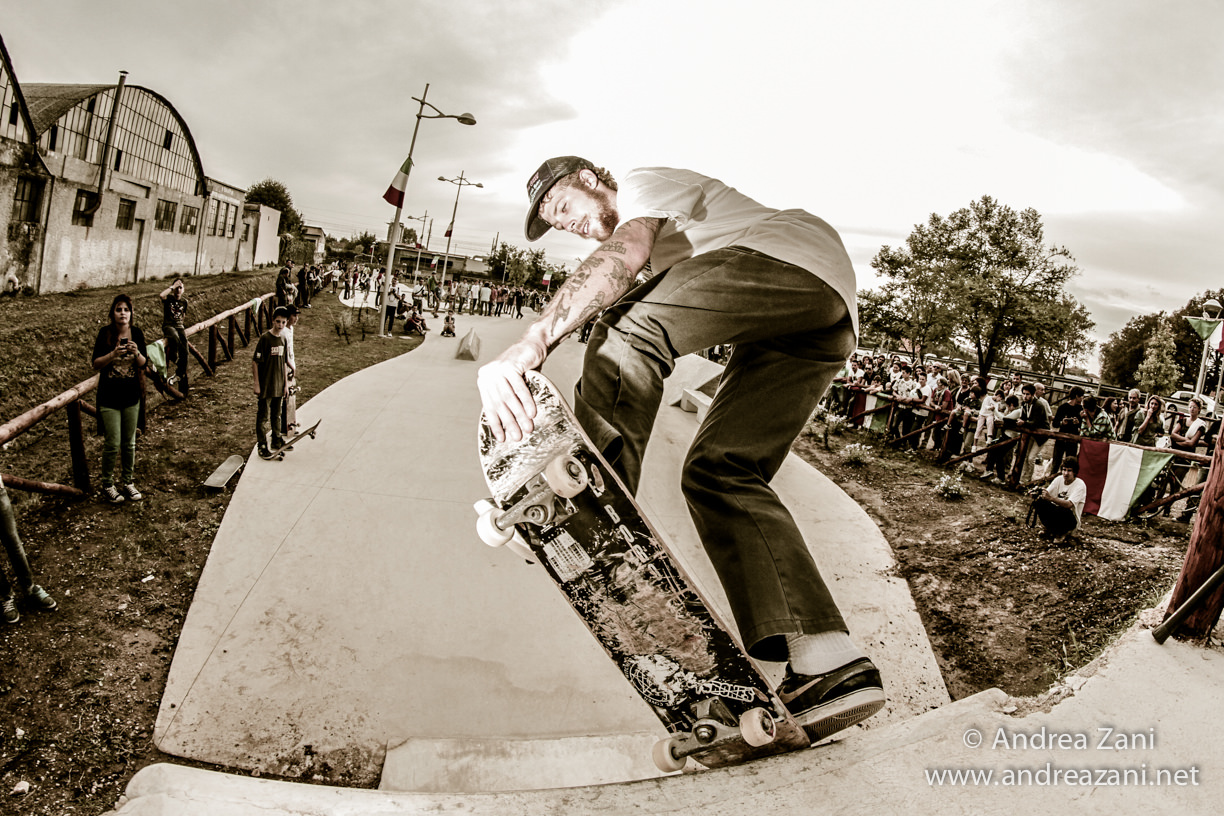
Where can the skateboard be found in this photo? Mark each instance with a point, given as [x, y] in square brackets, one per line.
[311, 431]
[224, 472]
[557, 502]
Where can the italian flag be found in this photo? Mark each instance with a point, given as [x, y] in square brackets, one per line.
[1116, 475]
[877, 422]
[395, 193]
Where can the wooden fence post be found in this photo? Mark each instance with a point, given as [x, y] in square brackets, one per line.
[76, 446]
[1204, 556]
[212, 346]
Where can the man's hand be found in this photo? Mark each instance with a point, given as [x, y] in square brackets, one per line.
[508, 405]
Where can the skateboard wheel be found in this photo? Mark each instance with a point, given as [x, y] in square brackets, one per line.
[757, 727]
[489, 532]
[665, 758]
[565, 476]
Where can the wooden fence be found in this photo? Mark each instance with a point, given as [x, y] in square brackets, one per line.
[254, 319]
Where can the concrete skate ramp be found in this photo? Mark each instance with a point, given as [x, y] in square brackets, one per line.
[347, 605]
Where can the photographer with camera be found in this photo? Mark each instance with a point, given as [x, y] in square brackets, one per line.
[119, 357]
[174, 307]
[1060, 506]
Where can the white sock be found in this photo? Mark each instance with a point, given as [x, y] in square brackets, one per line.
[822, 653]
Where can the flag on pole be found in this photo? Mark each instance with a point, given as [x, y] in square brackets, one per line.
[395, 193]
[1116, 475]
[1216, 340]
[449, 228]
[1204, 327]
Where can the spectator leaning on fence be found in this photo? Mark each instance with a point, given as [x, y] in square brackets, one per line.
[1148, 425]
[1130, 416]
[119, 357]
[1033, 417]
[1096, 423]
[174, 307]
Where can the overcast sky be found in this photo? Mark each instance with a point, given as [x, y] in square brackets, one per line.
[1104, 115]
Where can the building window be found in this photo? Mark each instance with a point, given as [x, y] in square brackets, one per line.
[231, 216]
[164, 217]
[212, 217]
[118, 158]
[13, 113]
[84, 207]
[190, 221]
[27, 199]
[246, 232]
[127, 214]
[167, 140]
[52, 138]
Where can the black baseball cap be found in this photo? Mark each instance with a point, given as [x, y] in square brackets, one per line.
[541, 182]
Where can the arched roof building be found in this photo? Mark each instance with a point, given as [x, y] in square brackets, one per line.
[107, 193]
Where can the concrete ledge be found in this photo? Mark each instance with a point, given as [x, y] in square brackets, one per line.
[469, 347]
[695, 402]
[489, 765]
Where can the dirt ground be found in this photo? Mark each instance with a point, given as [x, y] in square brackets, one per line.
[1003, 608]
[80, 687]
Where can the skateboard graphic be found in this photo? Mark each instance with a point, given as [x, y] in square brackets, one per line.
[311, 431]
[556, 501]
[224, 472]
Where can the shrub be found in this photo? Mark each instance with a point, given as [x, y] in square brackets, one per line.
[856, 454]
[950, 487]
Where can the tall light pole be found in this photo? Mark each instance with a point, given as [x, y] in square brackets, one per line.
[393, 238]
[422, 219]
[461, 182]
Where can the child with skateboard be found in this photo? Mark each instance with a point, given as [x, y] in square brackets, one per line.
[448, 323]
[780, 287]
[269, 366]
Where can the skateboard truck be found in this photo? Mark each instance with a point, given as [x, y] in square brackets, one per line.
[714, 725]
[563, 477]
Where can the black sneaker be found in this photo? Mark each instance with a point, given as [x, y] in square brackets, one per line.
[38, 598]
[8, 610]
[111, 494]
[827, 703]
[265, 453]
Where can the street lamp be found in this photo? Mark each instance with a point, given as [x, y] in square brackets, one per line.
[461, 182]
[393, 238]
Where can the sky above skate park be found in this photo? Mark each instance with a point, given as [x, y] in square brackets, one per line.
[1104, 116]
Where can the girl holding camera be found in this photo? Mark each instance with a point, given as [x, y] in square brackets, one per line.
[119, 357]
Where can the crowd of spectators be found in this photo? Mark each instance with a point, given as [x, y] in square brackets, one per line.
[935, 407]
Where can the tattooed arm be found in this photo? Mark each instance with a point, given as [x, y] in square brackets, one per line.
[596, 284]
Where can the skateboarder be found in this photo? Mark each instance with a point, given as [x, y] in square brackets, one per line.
[780, 287]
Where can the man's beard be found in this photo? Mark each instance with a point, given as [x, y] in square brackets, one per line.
[606, 216]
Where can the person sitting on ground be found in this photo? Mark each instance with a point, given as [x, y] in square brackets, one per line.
[448, 323]
[1060, 506]
[415, 322]
[36, 597]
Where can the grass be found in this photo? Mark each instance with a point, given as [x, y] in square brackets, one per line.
[83, 684]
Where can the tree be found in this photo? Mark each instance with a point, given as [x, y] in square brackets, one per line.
[1158, 373]
[983, 275]
[1189, 354]
[271, 193]
[909, 309]
[1122, 353]
[1062, 338]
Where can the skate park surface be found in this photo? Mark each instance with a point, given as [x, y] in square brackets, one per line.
[350, 630]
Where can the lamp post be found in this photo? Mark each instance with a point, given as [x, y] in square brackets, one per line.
[461, 182]
[393, 238]
[1211, 311]
[422, 219]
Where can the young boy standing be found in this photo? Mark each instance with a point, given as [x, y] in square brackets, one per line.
[269, 367]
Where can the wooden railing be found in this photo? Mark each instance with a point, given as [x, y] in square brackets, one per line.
[71, 401]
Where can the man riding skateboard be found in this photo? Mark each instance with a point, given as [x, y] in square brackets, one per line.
[779, 286]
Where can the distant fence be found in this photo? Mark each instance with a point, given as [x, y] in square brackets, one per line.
[254, 319]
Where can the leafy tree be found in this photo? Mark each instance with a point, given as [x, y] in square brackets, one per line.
[1189, 354]
[1063, 337]
[910, 308]
[1158, 373]
[982, 275]
[1122, 353]
[271, 193]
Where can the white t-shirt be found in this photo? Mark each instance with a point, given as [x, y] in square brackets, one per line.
[703, 214]
[1076, 492]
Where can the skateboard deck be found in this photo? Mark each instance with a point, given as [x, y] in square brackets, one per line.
[311, 431]
[554, 495]
[224, 472]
